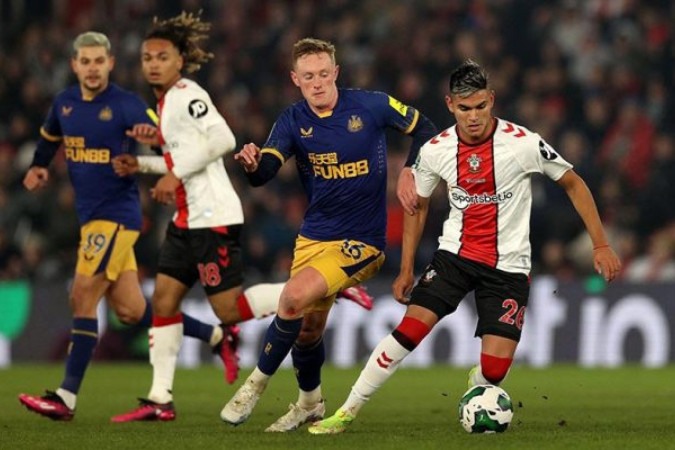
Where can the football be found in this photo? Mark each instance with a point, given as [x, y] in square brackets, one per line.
[485, 409]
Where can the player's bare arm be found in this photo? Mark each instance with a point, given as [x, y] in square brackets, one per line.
[125, 165]
[413, 226]
[249, 157]
[36, 178]
[406, 191]
[144, 133]
[605, 260]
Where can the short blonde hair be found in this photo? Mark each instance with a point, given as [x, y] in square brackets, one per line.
[312, 46]
[91, 39]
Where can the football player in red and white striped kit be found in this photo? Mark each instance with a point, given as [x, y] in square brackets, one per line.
[486, 163]
[202, 240]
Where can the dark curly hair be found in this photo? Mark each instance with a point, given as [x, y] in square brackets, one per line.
[185, 31]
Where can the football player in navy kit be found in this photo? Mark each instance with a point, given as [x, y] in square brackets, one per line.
[337, 137]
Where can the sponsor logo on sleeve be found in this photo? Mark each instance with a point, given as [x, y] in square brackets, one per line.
[198, 108]
[547, 151]
[398, 106]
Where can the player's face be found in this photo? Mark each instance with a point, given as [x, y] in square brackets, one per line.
[315, 75]
[161, 63]
[473, 114]
[92, 65]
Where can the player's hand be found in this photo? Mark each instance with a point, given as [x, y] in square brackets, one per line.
[36, 178]
[125, 165]
[165, 190]
[249, 157]
[606, 262]
[406, 191]
[402, 286]
[144, 133]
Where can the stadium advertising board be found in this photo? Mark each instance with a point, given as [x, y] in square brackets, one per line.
[585, 323]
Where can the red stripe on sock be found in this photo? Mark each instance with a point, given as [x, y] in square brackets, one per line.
[413, 329]
[245, 311]
[494, 369]
[166, 321]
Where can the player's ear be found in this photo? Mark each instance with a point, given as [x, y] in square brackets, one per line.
[294, 77]
[111, 62]
[337, 71]
[450, 104]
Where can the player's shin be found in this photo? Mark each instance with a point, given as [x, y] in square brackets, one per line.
[384, 361]
[307, 361]
[166, 337]
[280, 336]
[83, 340]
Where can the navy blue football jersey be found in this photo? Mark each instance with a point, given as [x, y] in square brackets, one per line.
[342, 160]
[92, 133]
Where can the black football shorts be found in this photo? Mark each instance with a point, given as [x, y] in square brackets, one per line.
[210, 255]
[501, 297]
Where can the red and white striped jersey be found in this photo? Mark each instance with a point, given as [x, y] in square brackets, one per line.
[489, 190]
[187, 120]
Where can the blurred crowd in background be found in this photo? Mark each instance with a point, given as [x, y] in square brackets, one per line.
[593, 77]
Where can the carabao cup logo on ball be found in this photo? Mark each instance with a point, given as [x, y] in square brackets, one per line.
[485, 409]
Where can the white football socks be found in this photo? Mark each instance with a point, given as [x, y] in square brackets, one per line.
[383, 362]
[165, 344]
[309, 399]
[263, 299]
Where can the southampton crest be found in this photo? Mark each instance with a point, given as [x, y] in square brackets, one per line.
[474, 163]
[355, 124]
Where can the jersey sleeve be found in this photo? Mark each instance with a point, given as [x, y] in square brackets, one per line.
[279, 143]
[137, 111]
[546, 160]
[392, 113]
[50, 139]
[426, 178]
[204, 131]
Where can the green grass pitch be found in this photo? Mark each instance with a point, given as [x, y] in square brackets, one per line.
[561, 407]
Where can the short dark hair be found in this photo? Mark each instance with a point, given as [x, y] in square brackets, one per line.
[468, 78]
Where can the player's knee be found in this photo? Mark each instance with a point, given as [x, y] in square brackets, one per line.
[291, 302]
[494, 368]
[127, 315]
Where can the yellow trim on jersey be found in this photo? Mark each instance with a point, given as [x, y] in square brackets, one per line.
[153, 115]
[414, 122]
[95, 254]
[275, 152]
[50, 137]
[84, 333]
[323, 115]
